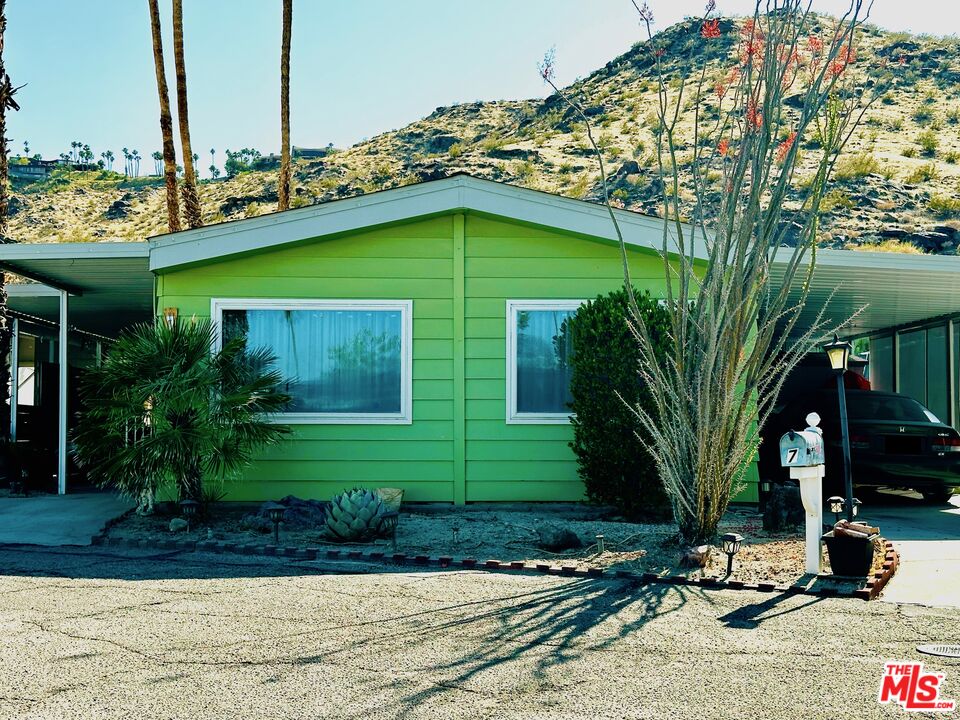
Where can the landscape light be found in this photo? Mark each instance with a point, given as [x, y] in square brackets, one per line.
[276, 512]
[189, 509]
[390, 520]
[730, 543]
[836, 504]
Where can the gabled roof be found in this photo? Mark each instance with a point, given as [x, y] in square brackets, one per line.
[457, 193]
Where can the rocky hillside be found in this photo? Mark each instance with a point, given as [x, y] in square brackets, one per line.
[897, 189]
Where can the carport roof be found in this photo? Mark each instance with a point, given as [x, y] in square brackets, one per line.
[891, 290]
[110, 283]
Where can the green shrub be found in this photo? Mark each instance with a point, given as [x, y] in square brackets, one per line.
[944, 205]
[909, 152]
[858, 165]
[923, 115]
[924, 173]
[928, 142]
[615, 467]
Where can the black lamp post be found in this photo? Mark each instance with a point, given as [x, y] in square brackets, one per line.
[276, 512]
[838, 352]
[189, 509]
[730, 543]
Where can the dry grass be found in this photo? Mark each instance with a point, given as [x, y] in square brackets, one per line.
[888, 246]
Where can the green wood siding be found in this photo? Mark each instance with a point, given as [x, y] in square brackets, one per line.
[459, 270]
[407, 262]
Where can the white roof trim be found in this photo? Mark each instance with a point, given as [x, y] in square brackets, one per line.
[452, 194]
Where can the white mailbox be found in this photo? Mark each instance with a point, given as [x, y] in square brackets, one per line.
[802, 453]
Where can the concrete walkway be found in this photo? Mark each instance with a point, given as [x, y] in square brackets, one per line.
[57, 519]
[928, 540]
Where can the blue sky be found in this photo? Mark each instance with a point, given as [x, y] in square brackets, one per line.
[358, 68]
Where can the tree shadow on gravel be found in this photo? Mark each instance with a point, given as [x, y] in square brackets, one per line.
[749, 617]
[559, 618]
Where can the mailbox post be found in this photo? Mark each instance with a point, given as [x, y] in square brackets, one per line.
[802, 453]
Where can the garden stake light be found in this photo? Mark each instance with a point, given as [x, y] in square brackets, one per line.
[189, 509]
[838, 353]
[836, 504]
[600, 546]
[390, 520]
[731, 542]
[276, 512]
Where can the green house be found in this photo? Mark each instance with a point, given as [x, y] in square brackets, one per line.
[416, 325]
[419, 325]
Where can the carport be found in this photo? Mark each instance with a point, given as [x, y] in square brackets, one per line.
[908, 306]
[89, 291]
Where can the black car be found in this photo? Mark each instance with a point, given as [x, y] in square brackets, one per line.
[894, 442]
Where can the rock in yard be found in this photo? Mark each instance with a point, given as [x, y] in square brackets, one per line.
[696, 557]
[784, 509]
[558, 539]
[178, 525]
[300, 515]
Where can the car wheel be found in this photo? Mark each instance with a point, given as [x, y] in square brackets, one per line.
[939, 496]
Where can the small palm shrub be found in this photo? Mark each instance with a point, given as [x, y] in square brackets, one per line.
[613, 463]
[162, 409]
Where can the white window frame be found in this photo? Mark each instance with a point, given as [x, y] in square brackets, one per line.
[514, 307]
[404, 417]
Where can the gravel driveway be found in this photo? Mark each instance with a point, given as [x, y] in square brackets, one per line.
[92, 633]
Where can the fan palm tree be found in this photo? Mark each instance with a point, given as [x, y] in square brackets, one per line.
[7, 91]
[157, 163]
[136, 157]
[163, 410]
[108, 156]
[191, 200]
[166, 121]
[283, 191]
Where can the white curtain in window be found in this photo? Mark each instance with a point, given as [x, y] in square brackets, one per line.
[336, 361]
[543, 361]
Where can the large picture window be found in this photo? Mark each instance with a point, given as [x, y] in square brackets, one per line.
[539, 350]
[346, 361]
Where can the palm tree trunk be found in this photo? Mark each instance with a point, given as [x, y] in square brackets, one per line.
[166, 122]
[283, 191]
[6, 103]
[191, 201]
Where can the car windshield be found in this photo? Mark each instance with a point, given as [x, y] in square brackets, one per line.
[867, 406]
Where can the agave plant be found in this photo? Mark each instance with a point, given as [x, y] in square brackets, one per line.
[355, 515]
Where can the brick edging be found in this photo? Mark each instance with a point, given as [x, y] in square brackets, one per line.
[873, 587]
[879, 580]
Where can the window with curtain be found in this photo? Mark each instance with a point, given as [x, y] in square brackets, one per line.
[539, 369]
[343, 360]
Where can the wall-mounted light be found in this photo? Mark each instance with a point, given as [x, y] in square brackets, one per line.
[170, 316]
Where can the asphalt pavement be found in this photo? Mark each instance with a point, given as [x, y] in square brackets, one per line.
[100, 633]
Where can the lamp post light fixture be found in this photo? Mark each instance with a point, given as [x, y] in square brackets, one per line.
[838, 353]
[730, 543]
[390, 520]
[856, 506]
[189, 509]
[275, 513]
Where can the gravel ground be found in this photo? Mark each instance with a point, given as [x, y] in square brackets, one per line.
[514, 532]
[93, 633]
